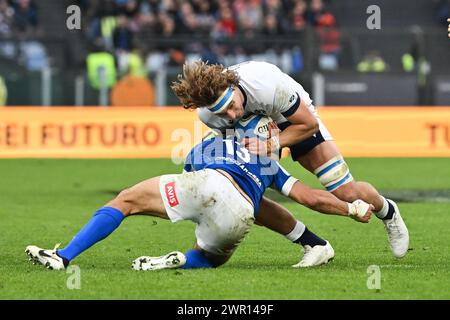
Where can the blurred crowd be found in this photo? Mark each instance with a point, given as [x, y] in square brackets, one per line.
[18, 17]
[216, 18]
[19, 26]
[441, 11]
[122, 26]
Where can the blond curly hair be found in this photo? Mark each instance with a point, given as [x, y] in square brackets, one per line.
[202, 84]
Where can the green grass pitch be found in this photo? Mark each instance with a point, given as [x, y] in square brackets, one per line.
[44, 202]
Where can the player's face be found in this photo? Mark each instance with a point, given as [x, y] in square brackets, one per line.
[235, 109]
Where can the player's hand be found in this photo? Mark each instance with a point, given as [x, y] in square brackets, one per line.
[360, 211]
[273, 129]
[268, 147]
[256, 146]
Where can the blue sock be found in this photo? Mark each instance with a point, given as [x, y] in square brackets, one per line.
[101, 225]
[195, 259]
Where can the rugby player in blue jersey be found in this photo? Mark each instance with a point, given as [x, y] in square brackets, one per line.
[220, 191]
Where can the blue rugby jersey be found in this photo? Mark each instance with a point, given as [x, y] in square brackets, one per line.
[254, 174]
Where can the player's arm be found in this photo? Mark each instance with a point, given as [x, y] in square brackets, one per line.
[318, 200]
[187, 167]
[326, 202]
[304, 125]
[189, 162]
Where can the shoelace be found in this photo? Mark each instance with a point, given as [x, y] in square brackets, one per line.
[307, 252]
[393, 225]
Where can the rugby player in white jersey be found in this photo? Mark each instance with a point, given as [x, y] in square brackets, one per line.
[222, 96]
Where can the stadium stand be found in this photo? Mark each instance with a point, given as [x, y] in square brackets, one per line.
[300, 36]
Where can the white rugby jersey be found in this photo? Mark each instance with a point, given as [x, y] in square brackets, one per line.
[267, 90]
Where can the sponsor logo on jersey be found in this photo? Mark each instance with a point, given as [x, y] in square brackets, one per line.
[263, 129]
[260, 112]
[293, 100]
[171, 194]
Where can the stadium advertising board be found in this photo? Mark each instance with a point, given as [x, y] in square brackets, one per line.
[58, 132]
[390, 131]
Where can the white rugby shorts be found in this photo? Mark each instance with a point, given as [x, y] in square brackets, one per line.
[322, 128]
[206, 197]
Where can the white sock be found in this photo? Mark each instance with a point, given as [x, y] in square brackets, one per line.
[384, 211]
[296, 232]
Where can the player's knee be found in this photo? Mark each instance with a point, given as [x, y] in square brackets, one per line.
[349, 192]
[124, 201]
[217, 261]
[125, 195]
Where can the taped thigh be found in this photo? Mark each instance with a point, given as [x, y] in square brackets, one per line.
[334, 173]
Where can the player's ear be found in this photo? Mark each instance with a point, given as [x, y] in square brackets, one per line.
[190, 106]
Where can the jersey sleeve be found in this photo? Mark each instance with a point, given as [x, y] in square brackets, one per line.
[274, 89]
[283, 181]
[286, 98]
[288, 102]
